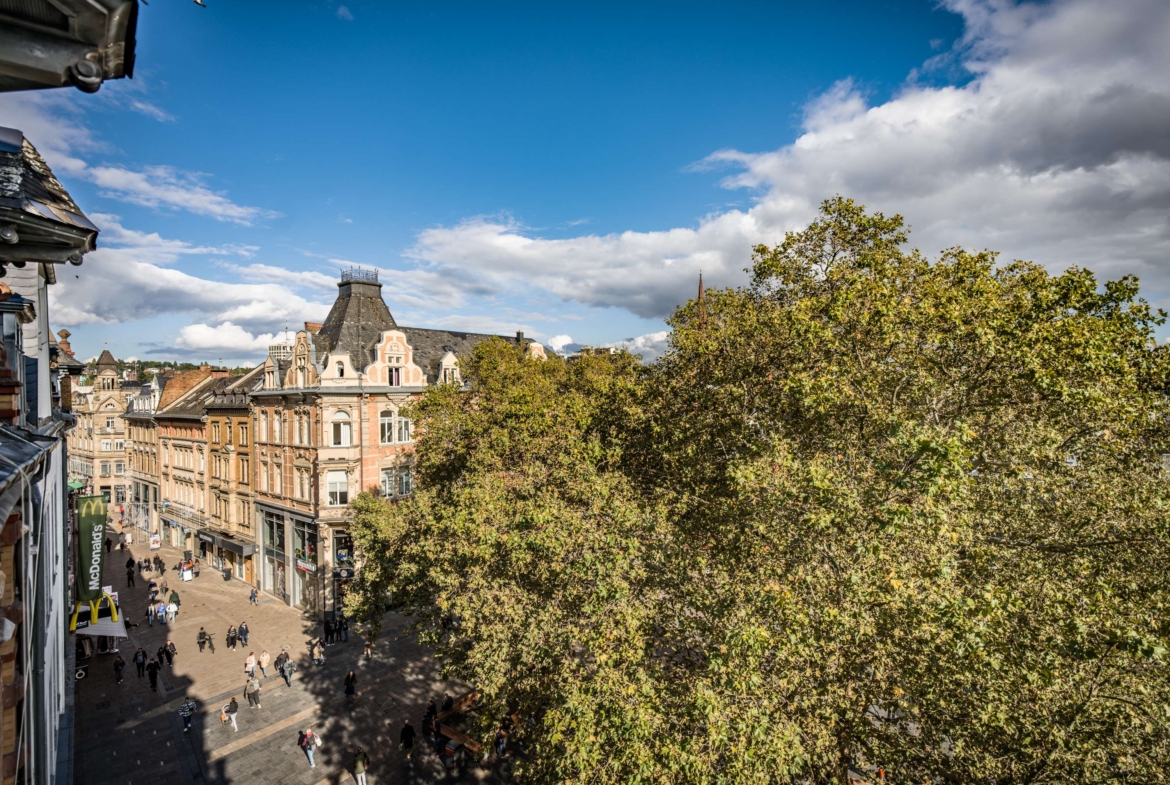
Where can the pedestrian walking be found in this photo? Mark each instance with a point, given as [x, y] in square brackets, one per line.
[119, 666]
[150, 615]
[351, 687]
[129, 576]
[130, 564]
[252, 693]
[231, 710]
[369, 650]
[161, 655]
[140, 661]
[160, 610]
[152, 669]
[170, 651]
[243, 632]
[172, 611]
[361, 762]
[345, 629]
[109, 544]
[328, 632]
[186, 710]
[201, 639]
[250, 664]
[263, 662]
[175, 598]
[253, 596]
[313, 644]
[309, 742]
[152, 587]
[289, 668]
[406, 738]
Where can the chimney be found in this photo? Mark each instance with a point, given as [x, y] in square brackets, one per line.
[220, 373]
[520, 337]
[63, 342]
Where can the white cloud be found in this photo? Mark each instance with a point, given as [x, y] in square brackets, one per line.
[270, 273]
[650, 346]
[226, 337]
[54, 126]
[127, 279]
[559, 342]
[167, 187]
[1055, 150]
[344, 13]
[152, 111]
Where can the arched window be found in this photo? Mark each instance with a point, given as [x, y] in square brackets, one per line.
[340, 370]
[277, 418]
[263, 425]
[386, 427]
[341, 430]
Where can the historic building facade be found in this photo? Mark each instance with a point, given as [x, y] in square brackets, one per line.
[329, 424]
[181, 419]
[229, 542]
[142, 455]
[97, 445]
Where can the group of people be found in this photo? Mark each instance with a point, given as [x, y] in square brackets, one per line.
[148, 666]
[237, 636]
[164, 611]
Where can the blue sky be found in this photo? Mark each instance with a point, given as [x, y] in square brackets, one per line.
[564, 169]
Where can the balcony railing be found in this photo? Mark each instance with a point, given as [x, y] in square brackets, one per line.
[358, 274]
[181, 512]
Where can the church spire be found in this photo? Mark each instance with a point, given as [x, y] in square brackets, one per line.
[702, 304]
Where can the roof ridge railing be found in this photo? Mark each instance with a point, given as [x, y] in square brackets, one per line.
[358, 274]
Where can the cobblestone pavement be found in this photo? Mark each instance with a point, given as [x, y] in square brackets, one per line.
[127, 734]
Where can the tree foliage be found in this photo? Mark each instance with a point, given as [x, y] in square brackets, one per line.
[869, 510]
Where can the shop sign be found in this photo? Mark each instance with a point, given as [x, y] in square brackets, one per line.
[306, 566]
[343, 573]
[155, 542]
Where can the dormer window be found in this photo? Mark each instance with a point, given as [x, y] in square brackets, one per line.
[340, 370]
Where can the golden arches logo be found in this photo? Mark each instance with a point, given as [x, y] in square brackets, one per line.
[94, 507]
[94, 607]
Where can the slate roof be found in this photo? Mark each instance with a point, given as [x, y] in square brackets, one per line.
[106, 362]
[430, 345]
[194, 403]
[27, 184]
[235, 395]
[356, 321]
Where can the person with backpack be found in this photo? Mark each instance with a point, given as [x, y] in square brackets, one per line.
[140, 661]
[252, 693]
[186, 709]
[309, 742]
[361, 762]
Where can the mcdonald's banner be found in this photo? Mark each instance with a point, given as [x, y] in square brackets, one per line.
[91, 524]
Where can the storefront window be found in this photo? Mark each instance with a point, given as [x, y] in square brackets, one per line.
[274, 531]
[343, 549]
[305, 581]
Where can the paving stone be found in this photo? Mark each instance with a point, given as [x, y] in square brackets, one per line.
[128, 735]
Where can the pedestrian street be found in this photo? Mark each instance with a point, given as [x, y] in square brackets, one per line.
[128, 734]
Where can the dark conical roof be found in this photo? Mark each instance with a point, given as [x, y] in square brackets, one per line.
[357, 320]
[106, 362]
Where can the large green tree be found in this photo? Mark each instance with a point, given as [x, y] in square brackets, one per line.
[870, 510]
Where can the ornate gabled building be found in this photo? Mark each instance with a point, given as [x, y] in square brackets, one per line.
[328, 425]
[142, 455]
[97, 445]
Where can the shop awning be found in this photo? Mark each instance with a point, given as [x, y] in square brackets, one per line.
[76, 485]
[229, 543]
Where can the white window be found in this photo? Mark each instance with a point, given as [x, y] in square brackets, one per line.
[338, 483]
[394, 377]
[263, 476]
[110, 420]
[277, 471]
[405, 430]
[263, 426]
[119, 467]
[341, 430]
[277, 419]
[388, 484]
[405, 481]
[105, 469]
[106, 445]
[119, 444]
[386, 427]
